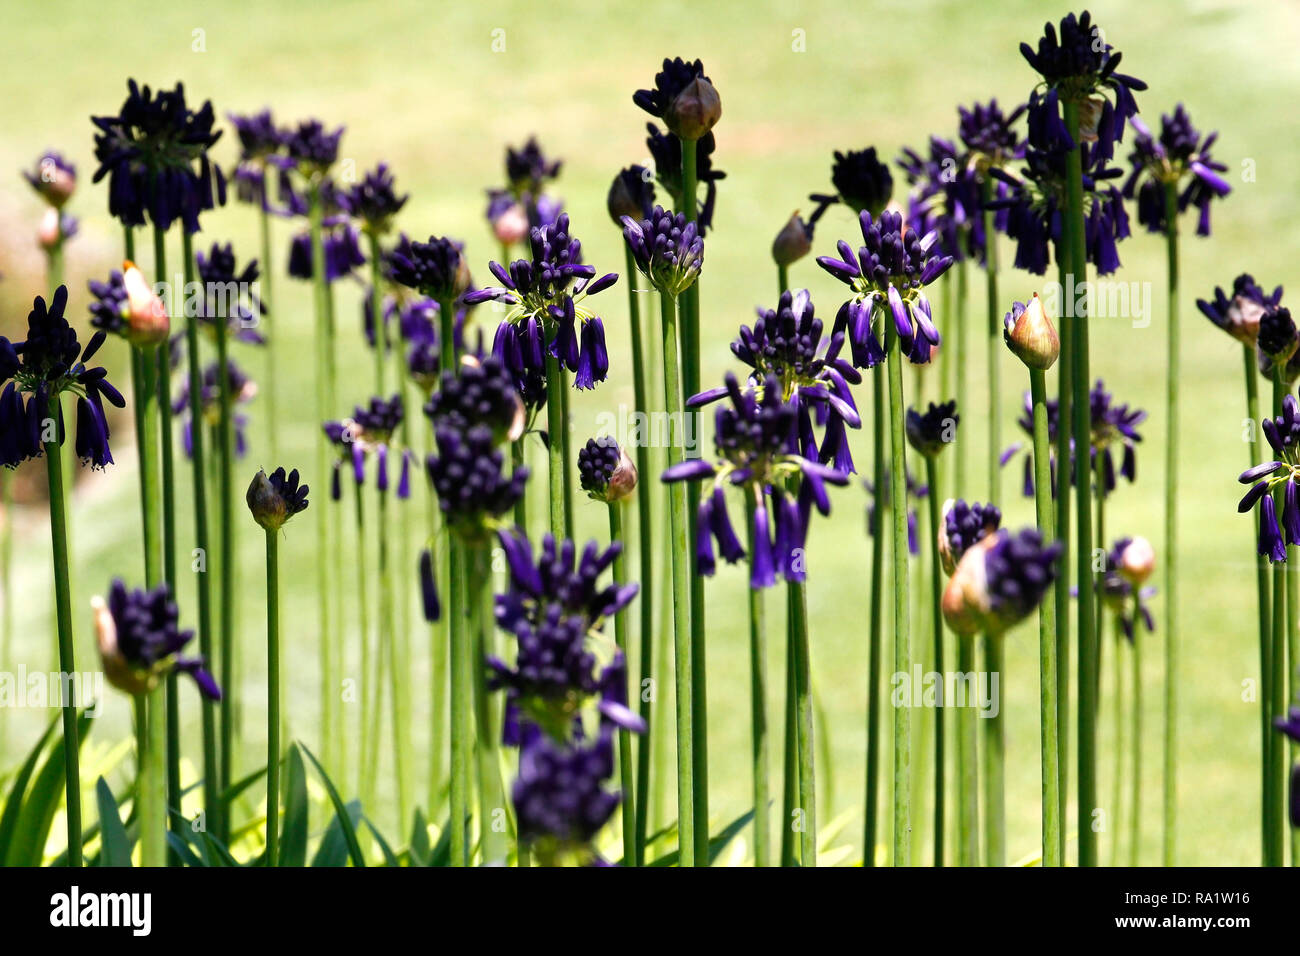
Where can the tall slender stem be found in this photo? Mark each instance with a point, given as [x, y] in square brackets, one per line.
[1083, 512]
[1063, 477]
[1135, 742]
[462, 731]
[1275, 682]
[1263, 596]
[153, 782]
[229, 560]
[995, 815]
[212, 808]
[1116, 809]
[399, 673]
[274, 341]
[679, 548]
[790, 754]
[968, 806]
[555, 425]
[377, 312]
[369, 715]
[1047, 662]
[902, 602]
[993, 339]
[479, 598]
[959, 360]
[273, 698]
[626, 779]
[804, 711]
[7, 587]
[936, 615]
[646, 549]
[758, 701]
[1171, 540]
[877, 613]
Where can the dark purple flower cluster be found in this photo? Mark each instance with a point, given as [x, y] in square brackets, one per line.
[528, 169]
[944, 198]
[1178, 154]
[1239, 314]
[340, 240]
[668, 250]
[242, 391]
[892, 267]
[631, 194]
[559, 795]
[370, 432]
[1113, 424]
[274, 500]
[155, 155]
[757, 440]
[312, 148]
[1125, 597]
[964, 526]
[1279, 475]
[666, 152]
[482, 394]
[929, 431]
[54, 178]
[436, 268]
[230, 293]
[109, 303]
[48, 363]
[989, 134]
[139, 640]
[262, 156]
[1019, 568]
[374, 201]
[466, 472]
[862, 182]
[1277, 335]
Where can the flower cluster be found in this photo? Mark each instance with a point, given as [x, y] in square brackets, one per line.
[684, 98]
[666, 151]
[261, 156]
[1129, 563]
[312, 149]
[340, 240]
[154, 152]
[631, 194]
[466, 472]
[482, 394]
[1178, 154]
[606, 471]
[862, 182]
[999, 581]
[230, 294]
[139, 640]
[892, 267]
[667, 249]
[1239, 314]
[929, 431]
[374, 201]
[436, 269]
[125, 305]
[49, 362]
[276, 499]
[241, 389]
[756, 437]
[1279, 475]
[54, 180]
[944, 198]
[559, 796]
[964, 526]
[370, 432]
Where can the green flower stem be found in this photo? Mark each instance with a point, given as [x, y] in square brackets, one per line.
[377, 310]
[993, 334]
[67, 664]
[7, 584]
[877, 616]
[339, 570]
[959, 360]
[1173, 375]
[995, 814]
[902, 602]
[491, 799]
[758, 702]
[1065, 385]
[804, 710]
[440, 638]
[1263, 595]
[646, 548]
[54, 258]
[567, 469]
[462, 730]
[369, 714]
[1288, 691]
[679, 548]
[399, 670]
[1083, 511]
[790, 757]
[555, 445]
[518, 459]
[272, 698]
[627, 781]
[1135, 741]
[231, 696]
[211, 779]
[1275, 684]
[690, 336]
[782, 279]
[936, 614]
[274, 346]
[1047, 636]
[968, 806]
[330, 664]
[1116, 809]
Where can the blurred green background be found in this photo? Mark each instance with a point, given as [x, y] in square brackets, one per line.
[421, 87]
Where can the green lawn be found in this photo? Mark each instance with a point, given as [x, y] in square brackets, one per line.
[419, 85]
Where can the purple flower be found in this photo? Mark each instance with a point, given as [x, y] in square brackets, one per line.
[929, 431]
[528, 169]
[155, 155]
[945, 198]
[242, 390]
[435, 268]
[667, 249]
[1179, 154]
[666, 151]
[1240, 314]
[374, 201]
[139, 640]
[274, 500]
[1125, 597]
[466, 471]
[311, 148]
[482, 394]
[230, 294]
[631, 194]
[1277, 476]
[862, 182]
[559, 796]
[683, 97]
[54, 178]
[369, 432]
[964, 526]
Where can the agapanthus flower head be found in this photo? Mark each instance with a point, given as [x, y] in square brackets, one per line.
[1079, 66]
[1240, 313]
[230, 294]
[890, 269]
[965, 524]
[275, 499]
[668, 250]
[507, 216]
[683, 97]
[374, 201]
[1113, 424]
[259, 137]
[528, 169]
[556, 607]
[666, 151]
[929, 431]
[436, 268]
[862, 182]
[139, 639]
[55, 229]
[261, 155]
[882, 498]
[155, 155]
[127, 305]
[989, 134]
[1129, 563]
[999, 581]
[242, 390]
[606, 471]
[945, 198]
[54, 178]
[369, 432]
[793, 242]
[1178, 155]
[1030, 334]
[632, 193]
[466, 472]
[560, 799]
[340, 240]
[312, 148]
[1277, 340]
[482, 394]
[1281, 474]
[48, 363]
[756, 435]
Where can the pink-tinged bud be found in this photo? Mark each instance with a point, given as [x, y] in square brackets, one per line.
[1137, 561]
[117, 670]
[146, 317]
[695, 110]
[792, 243]
[511, 226]
[623, 481]
[965, 602]
[1031, 336]
[1090, 110]
[55, 181]
[50, 233]
[1243, 319]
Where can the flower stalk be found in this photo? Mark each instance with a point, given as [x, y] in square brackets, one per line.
[877, 617]
[1170, 841]
[1047, 633]
[902, 601]
[273, 698]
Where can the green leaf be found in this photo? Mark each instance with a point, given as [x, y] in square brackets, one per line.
[390, 858]
[116, 848]
[238, 787]
[37, 816]
[346, 821]
[9, 819]
[217, 853]
[717, 843]
[182, 849]
[441, 855]
[420, 840]
[293, 838]
[333, 849]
